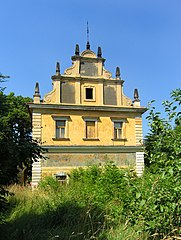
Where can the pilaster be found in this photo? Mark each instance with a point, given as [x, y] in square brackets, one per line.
[100, 93]
[119, 94]
[77, 92]
[57, 87]
[100, 68]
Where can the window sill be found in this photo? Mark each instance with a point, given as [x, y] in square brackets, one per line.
[91, 139]
[119, 139]
[61, 139]
[89, 100]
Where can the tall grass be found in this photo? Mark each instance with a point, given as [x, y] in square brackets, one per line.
[98, 203]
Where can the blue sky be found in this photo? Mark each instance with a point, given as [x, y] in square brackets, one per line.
[142, 37]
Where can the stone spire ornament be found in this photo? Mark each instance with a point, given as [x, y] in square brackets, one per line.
[77, 52]
[118, 73]
[58, 68]
[136, 101]
[99, 52]
[36, 96]
[136, 95]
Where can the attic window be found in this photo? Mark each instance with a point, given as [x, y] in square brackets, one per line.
[89, 93]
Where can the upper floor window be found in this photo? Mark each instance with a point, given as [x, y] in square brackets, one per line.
[91, 128]
[61, 128]
[89, 93]
[119, 129]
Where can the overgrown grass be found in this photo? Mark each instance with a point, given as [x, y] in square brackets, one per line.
[98, 203]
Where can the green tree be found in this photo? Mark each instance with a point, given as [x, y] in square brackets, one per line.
[163, 148]
[17, 148]
[2, 79]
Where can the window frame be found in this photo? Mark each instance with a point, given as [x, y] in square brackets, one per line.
[93, 93]
[123, 129]
[60, 129]
[66, 119]
[118, 130]
[91, 119]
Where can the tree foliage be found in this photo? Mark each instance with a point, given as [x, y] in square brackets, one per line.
[163, 148]
[17, 148]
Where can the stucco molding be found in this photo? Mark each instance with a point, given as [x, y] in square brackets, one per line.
[126, 101]
[93, 149]
[104, 108]
[69, 71]
[48, 97]
[88, 54]
[107, 74]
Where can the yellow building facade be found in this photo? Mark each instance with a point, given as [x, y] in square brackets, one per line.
[86, 119]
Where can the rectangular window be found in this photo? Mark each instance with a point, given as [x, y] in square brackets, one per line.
[61, 124]
[60, 128]
[118, 130]
[90, 129]
[89, 93]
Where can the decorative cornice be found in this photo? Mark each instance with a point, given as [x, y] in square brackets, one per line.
[93, 149]
[130, 109]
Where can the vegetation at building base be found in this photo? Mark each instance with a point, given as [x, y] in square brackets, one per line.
[98, 203]
[107, 202]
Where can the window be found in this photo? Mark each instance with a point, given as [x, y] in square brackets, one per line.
[118, 130]
[89, 93]
[60, 128]
[90, 129]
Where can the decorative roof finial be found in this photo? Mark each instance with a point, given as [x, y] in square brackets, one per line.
[88, 44]
[136, 101]
[99, 52]
[36, 96]
[77, 50]
[37, 91]
[58, 68]
[136, 95]
[118, 72]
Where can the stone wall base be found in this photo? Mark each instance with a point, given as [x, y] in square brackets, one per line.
[66, 162]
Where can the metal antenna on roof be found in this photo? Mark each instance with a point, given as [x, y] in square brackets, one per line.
[88, 44]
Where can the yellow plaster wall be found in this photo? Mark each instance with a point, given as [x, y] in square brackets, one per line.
[76, 128]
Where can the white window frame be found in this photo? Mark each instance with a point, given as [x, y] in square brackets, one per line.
[60, 130]
[123, 134]
[61, 118]
[93, 93]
